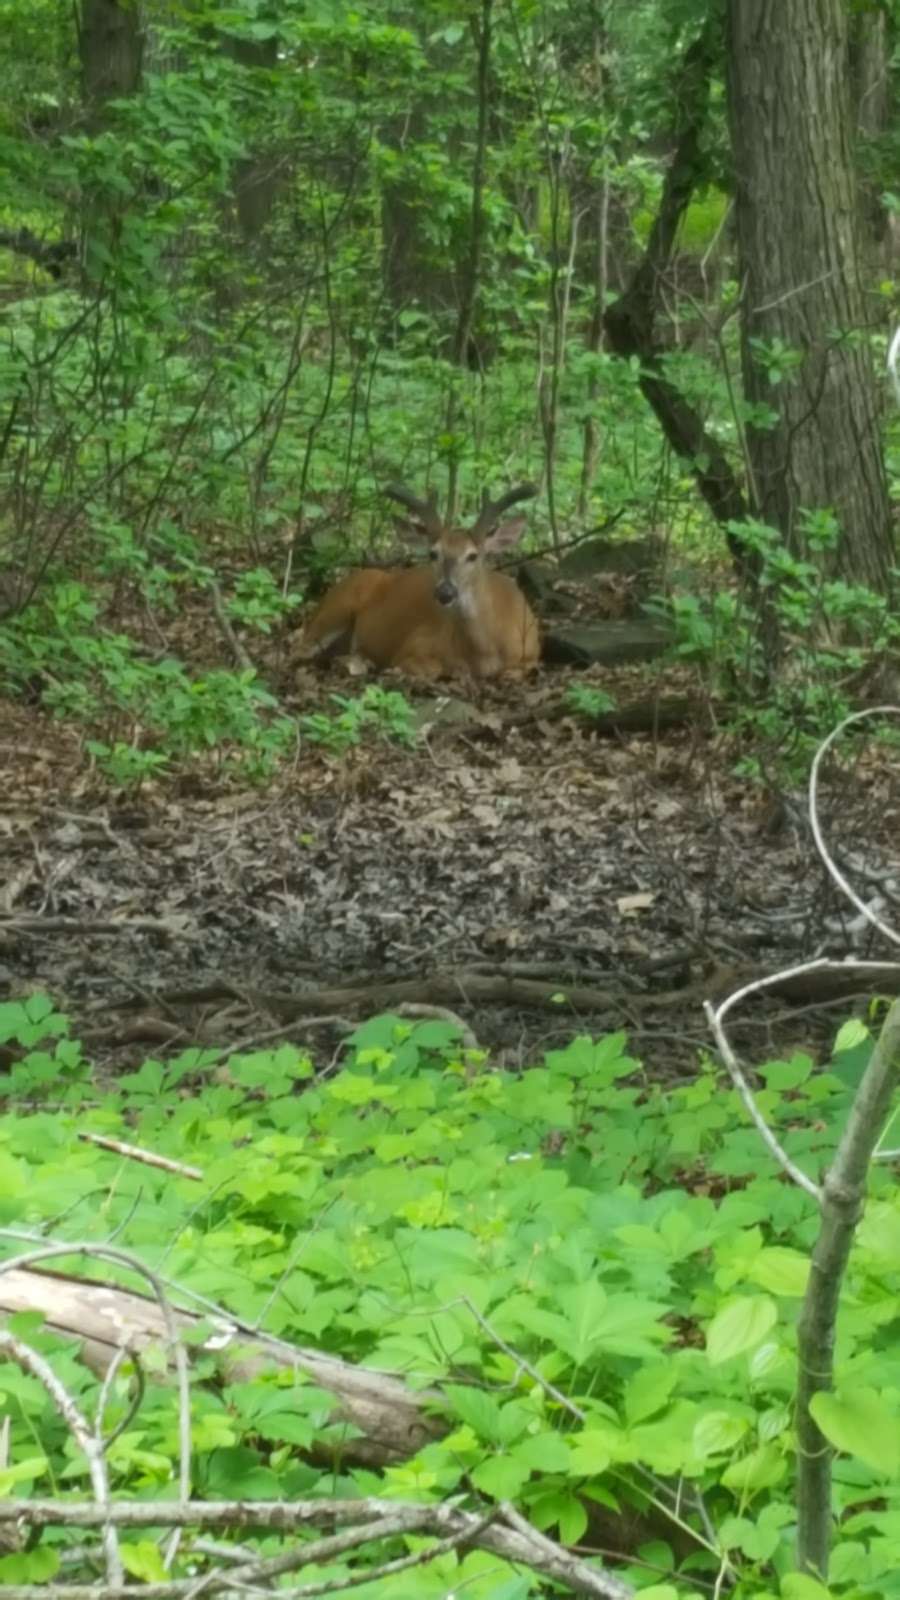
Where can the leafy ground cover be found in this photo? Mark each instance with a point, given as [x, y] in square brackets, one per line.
[599, 1276]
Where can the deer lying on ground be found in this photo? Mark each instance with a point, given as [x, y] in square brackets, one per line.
[455, 615]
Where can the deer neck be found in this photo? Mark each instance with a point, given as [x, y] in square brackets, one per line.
[473, 608]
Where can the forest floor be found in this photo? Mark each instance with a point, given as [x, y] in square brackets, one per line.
[535, 878]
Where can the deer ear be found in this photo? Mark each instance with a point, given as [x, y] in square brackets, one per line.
[408, 529]
[508, 534]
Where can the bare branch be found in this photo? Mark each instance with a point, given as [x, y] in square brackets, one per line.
[79, 1427]
[133, 1152]
[518, 1542]
[830, 864]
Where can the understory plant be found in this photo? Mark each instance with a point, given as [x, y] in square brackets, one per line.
[783, 659]
[141, 714]
[384, 712]
[598, 1279]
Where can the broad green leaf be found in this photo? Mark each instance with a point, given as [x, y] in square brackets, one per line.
[478, 1409]
[142, 1559]
[666, 1444]
[716, 1432]
[545, 1452]
[620, 1324]
[21, 1471]
[800, 1586]
[761, 1469]
[879, 1234]
[592, 1451]
[781, 1271]
[356, 1090]
[648, 1390]
[848, 1562]
[863, 1423]
[38, 1566]
[851, 1033]
[237, 1473]
[739, 1327]
[783, 1075]
[501, 1476]
[14, 1177]
[573, 1520]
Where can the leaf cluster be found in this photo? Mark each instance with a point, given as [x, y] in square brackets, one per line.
[597, 1275]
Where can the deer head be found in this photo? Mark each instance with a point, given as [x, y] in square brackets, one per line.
[458, 554]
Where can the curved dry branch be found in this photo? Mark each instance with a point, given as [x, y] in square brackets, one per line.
[91, 1447]
[841, 1196]
[828, 860]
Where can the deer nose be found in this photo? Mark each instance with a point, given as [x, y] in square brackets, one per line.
[445, 592]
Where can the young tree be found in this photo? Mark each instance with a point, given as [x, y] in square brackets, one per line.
[812, 436]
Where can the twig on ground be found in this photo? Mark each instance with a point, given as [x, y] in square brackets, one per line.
[231, 639]
[133, 1152]
[409, 1008]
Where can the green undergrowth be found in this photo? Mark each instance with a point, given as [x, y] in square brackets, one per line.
[599, 1276]
[143, 719]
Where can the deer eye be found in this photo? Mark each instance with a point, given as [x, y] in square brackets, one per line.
[434, 552]
[471, 555]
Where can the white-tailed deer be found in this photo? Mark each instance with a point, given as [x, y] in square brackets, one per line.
[455, 615]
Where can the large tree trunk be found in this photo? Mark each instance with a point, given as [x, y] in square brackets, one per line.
[797, 218]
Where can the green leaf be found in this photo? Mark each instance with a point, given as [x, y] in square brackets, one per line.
[781, 1271]
[718, 1431]
[14, 1177]
[544, 1452]
[501, 1476]
[37, 1566]
[572, 1519]
[21, 1471]
[785, 1075]
[739, 1327]
[863, 1423]
[592, 1451]
[619, 1324]
[478, 1409]
[851, 1033]
[547, 1507]
[761, 1469]
[648, 1391]
[800, 1586]
[142, 1560]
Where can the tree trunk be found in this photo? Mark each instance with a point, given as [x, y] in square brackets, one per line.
[110, 45]
[871, 113]
[111, 48]
[414, 272]
[630, 321]
[802, 309]
[255, 176]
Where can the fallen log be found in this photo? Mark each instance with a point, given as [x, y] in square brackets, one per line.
[388, 1421]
